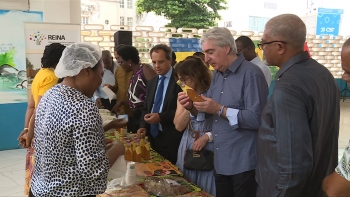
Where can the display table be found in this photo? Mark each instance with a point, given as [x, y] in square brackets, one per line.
[157, 177]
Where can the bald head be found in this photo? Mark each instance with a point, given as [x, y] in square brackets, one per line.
[346, 43]
[107, 58]
[289, 28]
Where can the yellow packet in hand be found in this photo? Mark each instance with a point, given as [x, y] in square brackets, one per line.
[194, 96]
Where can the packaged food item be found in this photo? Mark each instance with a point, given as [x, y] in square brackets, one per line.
[163, 168]
[194, 96]
[146, 149]
[128, 151]
[138, 151]
[167, 186]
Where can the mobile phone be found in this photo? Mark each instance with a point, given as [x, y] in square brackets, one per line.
[123, 116]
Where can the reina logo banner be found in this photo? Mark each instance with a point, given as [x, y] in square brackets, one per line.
[39, 37]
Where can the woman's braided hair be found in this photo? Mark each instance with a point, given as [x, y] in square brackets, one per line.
[52, 55]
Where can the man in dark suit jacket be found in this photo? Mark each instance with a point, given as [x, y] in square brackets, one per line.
[161, 101]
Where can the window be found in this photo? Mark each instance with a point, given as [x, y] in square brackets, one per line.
[84, 20]
[122, 21]
[129, 4]
[130, 21]
[257, 23]
[121, 3]
[228, 24]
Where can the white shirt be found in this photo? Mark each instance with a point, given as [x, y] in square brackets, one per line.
[343, 168]
[265, 69]
[166, 83]
[108, 78]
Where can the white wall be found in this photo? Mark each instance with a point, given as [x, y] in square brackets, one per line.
[14, 4]
[239, 13]
[58, 11]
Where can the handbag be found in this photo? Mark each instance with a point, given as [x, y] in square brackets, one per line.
[202, 160]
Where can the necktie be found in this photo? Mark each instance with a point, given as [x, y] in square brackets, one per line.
[156, 106]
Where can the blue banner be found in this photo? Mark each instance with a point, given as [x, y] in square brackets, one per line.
[328, 21]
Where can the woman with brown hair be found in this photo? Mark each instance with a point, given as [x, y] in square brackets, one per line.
[194, 73]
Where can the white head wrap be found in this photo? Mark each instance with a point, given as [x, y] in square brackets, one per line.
[76, 57]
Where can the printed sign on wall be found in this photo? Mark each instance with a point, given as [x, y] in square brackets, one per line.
[13, 77]
[328, 21]
[39, 35]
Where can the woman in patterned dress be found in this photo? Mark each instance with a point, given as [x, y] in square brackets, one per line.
[194, 73]
[43, 81]
[71, 158]
[129, 61]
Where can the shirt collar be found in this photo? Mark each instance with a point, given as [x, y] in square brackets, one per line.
[114, 67]
[235, 64]
[168, 74]
[292, 61]
[256, 59]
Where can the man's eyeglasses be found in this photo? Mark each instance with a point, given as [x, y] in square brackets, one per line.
[261, 44]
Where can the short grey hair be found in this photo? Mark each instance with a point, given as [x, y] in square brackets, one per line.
[289, 28]
[222, 37]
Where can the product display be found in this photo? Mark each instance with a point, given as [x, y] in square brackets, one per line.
[155, 176]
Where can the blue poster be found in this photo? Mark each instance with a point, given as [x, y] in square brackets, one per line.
[13, 77]
[328, 21]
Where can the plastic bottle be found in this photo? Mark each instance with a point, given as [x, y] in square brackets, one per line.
[146, 150]
[138, 151]
[130, 175]
[128, 156]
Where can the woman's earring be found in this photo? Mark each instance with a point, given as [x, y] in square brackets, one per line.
[129, 64]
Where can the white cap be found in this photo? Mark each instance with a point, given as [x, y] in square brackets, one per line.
[76, 57]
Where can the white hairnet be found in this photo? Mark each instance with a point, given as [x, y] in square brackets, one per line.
[76, 57]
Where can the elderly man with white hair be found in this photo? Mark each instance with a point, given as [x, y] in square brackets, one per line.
[236, 97]
[70, 150]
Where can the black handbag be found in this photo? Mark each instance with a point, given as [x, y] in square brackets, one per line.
[201, 161]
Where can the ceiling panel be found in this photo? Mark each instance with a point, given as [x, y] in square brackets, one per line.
[14, 4]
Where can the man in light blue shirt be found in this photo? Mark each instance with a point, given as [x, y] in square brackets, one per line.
[236, 98]
[100, 96]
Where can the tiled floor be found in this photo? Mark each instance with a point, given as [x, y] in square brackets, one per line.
[12, 162]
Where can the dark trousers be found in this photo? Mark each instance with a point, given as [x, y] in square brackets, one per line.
[239, 185]
[108, 105]
[31, 194]
[162, 145]
[134, 122]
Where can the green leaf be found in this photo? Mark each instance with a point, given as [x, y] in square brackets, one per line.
[200, 14]
[8, 58]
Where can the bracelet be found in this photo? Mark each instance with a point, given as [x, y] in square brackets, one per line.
[190, 109]
[210, 136]
[221, 110]
[25, 129]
